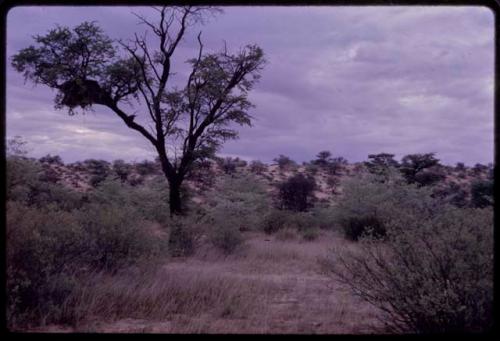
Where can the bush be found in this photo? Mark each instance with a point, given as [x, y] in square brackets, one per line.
[146, 167]
[181, 242]
[367, 204]
[257, 167]
[122, 169]
[226, 238]
[239, 201]
[284, 162]
[482, 193]
[296, 193]
[56, 159]
[274, 221]
[310, 234]
[427, 276]
[149, 202]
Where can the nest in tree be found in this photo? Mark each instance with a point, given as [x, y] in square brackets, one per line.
[82, 92]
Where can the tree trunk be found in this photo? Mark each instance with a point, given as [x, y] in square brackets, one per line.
[175, 197]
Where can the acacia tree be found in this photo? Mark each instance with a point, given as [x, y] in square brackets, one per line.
[184, 124]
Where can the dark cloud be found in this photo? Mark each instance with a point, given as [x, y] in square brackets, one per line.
[353, 80]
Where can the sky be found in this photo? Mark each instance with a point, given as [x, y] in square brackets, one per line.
[351, 80]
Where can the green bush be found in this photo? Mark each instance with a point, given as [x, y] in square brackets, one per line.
[49, 248]
[240, 201]
[296, 193]
[430, 275]
[181, 242]
[226, 238]
[149, 201]
[274, 221]
[367, 204]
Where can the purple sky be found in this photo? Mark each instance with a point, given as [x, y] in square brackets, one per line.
[352, 80]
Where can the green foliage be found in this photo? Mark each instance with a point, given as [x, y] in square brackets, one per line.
[226, 238]
[239, 202]
[422, 169]
[56, 159]
[48, 249]
[181, 242]
[122, 169]
[284, 162]
[27, 183]
[482, 193]
[257, 167]
[146, 167]
[427, 276]
[296, 193]
[310, 234]
[380, 164]
[368, 204]
[149, 201]
[274, 221]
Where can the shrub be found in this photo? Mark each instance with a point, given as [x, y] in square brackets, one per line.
[146, 167]
[240, 201]
[427, 276]
[274, 221]
[181, 242]
[367, 204]
[226, 238]
[310, 234]
[336, 165]
[56, 159]
[482, 193]
[122, 169]
[117, 236]
[149, 202]
[48, 250]
[284, 162]
[296, 193]
[257, 167]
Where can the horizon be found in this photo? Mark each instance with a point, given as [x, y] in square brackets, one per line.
[425, 74]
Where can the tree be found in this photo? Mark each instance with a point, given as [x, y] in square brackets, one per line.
[323, 158]
[284, 162]
[422, 169]
[87, 68]
[379, 164]
[296, 193]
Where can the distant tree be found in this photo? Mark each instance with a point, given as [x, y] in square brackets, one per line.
[284, 162]
[122, 169]
[228, 165]
[336, 164]
[296, 193]
[379, 164]
[86, 68]
[257, 167]
[145, 167]
[460, 167]
[479, 169]
[421, 169]
[56, 159]
[323, 158]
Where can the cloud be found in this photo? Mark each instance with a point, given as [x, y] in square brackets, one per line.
[353, 80]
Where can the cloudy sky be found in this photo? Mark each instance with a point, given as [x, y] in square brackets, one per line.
[352, 80]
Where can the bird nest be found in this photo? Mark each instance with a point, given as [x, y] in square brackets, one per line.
[82, 93]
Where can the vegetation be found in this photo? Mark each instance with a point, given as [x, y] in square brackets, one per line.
[411, 248]
[87, 68]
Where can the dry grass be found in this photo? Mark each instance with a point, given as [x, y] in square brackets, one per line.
[270, 286]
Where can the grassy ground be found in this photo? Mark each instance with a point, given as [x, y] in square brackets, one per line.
[268, 286]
